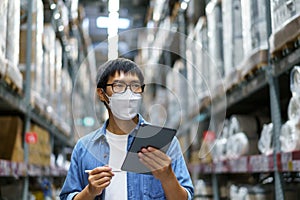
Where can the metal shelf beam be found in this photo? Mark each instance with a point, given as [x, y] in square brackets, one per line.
[286, 63]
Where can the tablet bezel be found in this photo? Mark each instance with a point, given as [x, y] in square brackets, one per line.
[141, 139]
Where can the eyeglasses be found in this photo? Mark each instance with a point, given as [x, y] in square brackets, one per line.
[122, 87]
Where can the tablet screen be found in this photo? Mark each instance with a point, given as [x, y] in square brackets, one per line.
[147, 135]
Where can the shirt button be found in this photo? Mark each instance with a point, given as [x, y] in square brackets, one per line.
[105, 156]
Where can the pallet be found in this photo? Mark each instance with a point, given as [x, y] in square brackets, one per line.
[285, 49]
[285, 40]
[254, 63]
[14, 78]
[232, 80]
[12, 85]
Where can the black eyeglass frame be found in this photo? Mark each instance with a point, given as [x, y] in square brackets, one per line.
[112, 87]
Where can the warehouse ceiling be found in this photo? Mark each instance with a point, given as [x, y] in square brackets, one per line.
[134, 10]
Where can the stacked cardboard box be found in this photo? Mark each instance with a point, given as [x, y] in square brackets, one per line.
[40, 152]
[11, 139]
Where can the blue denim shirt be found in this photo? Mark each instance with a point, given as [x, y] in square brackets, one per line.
[92, 151]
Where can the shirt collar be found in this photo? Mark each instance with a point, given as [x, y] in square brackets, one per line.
[101, 132]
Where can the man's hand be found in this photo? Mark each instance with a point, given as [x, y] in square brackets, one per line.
[160, 165]
[99, 179]
[157, 162]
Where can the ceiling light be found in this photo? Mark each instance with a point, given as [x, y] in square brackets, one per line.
[113, 5]
[60, 28]
[183, 5]
[56, 15]
[52, 6]
[104, 22]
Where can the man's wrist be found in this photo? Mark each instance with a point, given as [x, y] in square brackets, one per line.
[168, 177]
[89, 193]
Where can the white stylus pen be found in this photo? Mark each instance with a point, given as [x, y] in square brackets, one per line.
[89, 170]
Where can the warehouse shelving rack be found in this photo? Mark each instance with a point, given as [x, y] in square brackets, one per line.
[16, 102]
[276, 163]
[263, 91]
[268, 89]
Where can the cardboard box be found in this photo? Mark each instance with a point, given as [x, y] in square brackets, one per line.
[40, 152]
[11, 139]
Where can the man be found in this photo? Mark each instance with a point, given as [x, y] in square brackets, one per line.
[120, 85]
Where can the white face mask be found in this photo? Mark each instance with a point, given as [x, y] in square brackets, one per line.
[125, 106]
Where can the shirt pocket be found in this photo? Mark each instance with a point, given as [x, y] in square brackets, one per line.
[153, 188]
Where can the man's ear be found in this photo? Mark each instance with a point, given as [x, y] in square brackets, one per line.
[101, 94]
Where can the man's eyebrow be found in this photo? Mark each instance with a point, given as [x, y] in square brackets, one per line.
[118, 81]
[135, 81]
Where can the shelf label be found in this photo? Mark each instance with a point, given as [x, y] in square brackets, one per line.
[286, 159]
[31, 138]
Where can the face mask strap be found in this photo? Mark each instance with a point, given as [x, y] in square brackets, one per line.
[106, 96]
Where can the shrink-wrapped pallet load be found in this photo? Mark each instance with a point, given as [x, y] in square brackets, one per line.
[233, 39]
[285, 17]
[215, 43]
[12, 44]
[290, 130]
[202, 58]
[3, 27]
[36, 43]
[255, 36]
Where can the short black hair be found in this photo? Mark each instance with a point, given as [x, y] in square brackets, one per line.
[110, 67]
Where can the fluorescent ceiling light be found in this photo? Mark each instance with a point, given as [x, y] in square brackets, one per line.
[104, 22]
[184, 5]
[113, 5]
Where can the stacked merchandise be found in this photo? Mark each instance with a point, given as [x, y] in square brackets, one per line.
[192, 74]
[40, 151]
[255, 36]
[204, 190]
[51, 50]
[285, 35]
[215, 46]
[3, 27]
[49, 94]
[64, 109]
[243, 136]
[9, 47]
[265, 142]
[12, 44]
[238, 138]
[233, 40]
[219, 150]
[174, 82]
[202, 58]
[290, 130]
[259, 192]
[11, 143]
[36, 45]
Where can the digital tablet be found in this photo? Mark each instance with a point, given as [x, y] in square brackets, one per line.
[147, 135]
